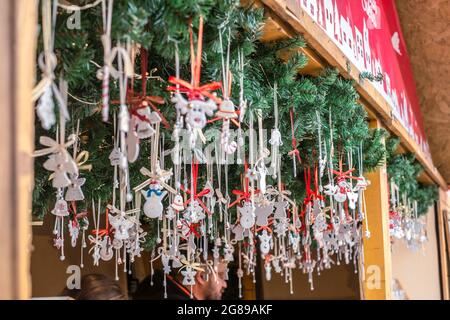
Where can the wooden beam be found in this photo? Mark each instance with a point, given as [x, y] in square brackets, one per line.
[18, 34]
[275, 30]
[446, 219]
[291, 13]
[377, 277]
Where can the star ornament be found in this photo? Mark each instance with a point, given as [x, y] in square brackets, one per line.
[58, 243]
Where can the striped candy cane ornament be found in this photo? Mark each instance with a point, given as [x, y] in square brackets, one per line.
[227, 146]
[105, 93]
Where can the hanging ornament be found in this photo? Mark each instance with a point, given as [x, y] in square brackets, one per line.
[132, 142]
[74, 192]
[238, 231]
[262, 213]
[275, 138]
[106, 250]
[46, 90]
[192, 192]
[121, 222]
[74, 230]
[96, 241]
[280, 209]
[177, 203]
[227, 110]
[144, 128]
[247, 216]
[194, 212]
[268, 269]
[294, 153]
[265, 240]
[109, 55]
[61, 209]
[189, 276]
[153, 207]
[260, 167]
[74, 224]
[195, 108]
[61, 166]
[45, 109]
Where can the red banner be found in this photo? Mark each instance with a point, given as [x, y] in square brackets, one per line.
[368, 32]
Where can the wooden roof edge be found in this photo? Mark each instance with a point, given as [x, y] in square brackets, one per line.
[324, 49]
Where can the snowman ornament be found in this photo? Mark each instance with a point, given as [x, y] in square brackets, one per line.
[153, 207]
[341, 191]
[144, 121]
[265, 240]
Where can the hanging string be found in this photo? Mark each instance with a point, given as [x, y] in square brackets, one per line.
[294, 153]
[107, 7]
[275, 139]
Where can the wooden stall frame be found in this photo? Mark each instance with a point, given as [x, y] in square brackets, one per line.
[17, 70]
[442, 228]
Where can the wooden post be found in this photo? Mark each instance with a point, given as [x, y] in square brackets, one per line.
[442, 223]
[18, 36]
[377, 249]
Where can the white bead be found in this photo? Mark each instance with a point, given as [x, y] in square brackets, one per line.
[129, 197]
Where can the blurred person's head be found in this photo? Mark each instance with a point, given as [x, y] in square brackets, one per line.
[210, 284]
[96, 287]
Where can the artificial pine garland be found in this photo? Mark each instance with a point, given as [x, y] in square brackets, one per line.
[404, 170]
[154, 24]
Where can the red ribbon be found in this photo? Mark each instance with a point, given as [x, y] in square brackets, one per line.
[195, 91]
[137, 101]
[294, 152]
[266, 227]
[243, 194]
[76, 215]
[103, 232]
[340, 175]
[310, 194]
[192, 228]
[193, 192]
